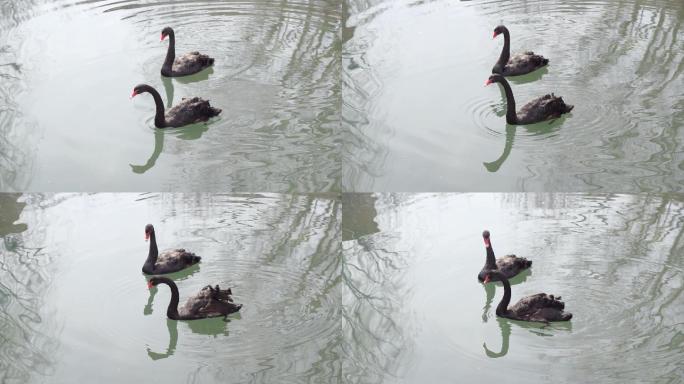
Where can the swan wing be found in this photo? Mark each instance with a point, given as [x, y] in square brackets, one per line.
[524, 63]
[177, 256]
[511, 265]
[174, 260]
[191, 110]
[210, 302]
[538, 301]
[219, 308]
[194, 304]
[543, 108]
[190, 63]
[547, 314]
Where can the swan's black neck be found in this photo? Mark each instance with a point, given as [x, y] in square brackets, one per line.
[491, 259]
[172, 310]
[159, 119]
[152, 255]
[502, 308]
[170, 55]
[505, 53]
[511, 117]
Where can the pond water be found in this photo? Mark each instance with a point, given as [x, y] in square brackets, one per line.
[67, 69]
[414, 311]
[418, 118]
[74, 304]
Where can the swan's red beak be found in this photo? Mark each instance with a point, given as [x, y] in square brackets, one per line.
[488, 82]
[495, 35]
[147, 236]
[149, 284]
[486, 280]
[133, 94]
[162, 37]
[487, 243]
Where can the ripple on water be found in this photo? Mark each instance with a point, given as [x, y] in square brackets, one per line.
[274, 79]
[279, 254]
[615, 62]
[615, 260]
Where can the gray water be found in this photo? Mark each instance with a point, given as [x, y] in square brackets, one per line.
[67, 69]
[74, 304]
[414, 311]
[418, 118]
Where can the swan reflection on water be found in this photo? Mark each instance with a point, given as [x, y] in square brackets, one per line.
[542, 128]
[214, 327]
[168, 87]
[168, 82]
[539, 329]
[172, 326]
[530, 77]
[505, 327]
[191, 132]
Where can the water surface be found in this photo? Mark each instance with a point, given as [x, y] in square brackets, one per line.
[74, 304]
[67, 69]
[418, 118]
[414, 311]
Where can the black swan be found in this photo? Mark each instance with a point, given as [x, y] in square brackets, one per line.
[509, 265]
[519, 64]
[540, 307]
[188, 111]
[540, 109]
[169, 261]
[209, 302]
[187, 64]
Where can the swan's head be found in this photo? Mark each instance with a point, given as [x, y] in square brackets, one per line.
[493, 275]
[495, 78]
[149, 230]
[489, 276]
[152, 282]
[498, 30]
[485, 236]
[166, 32]
[138, 89]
